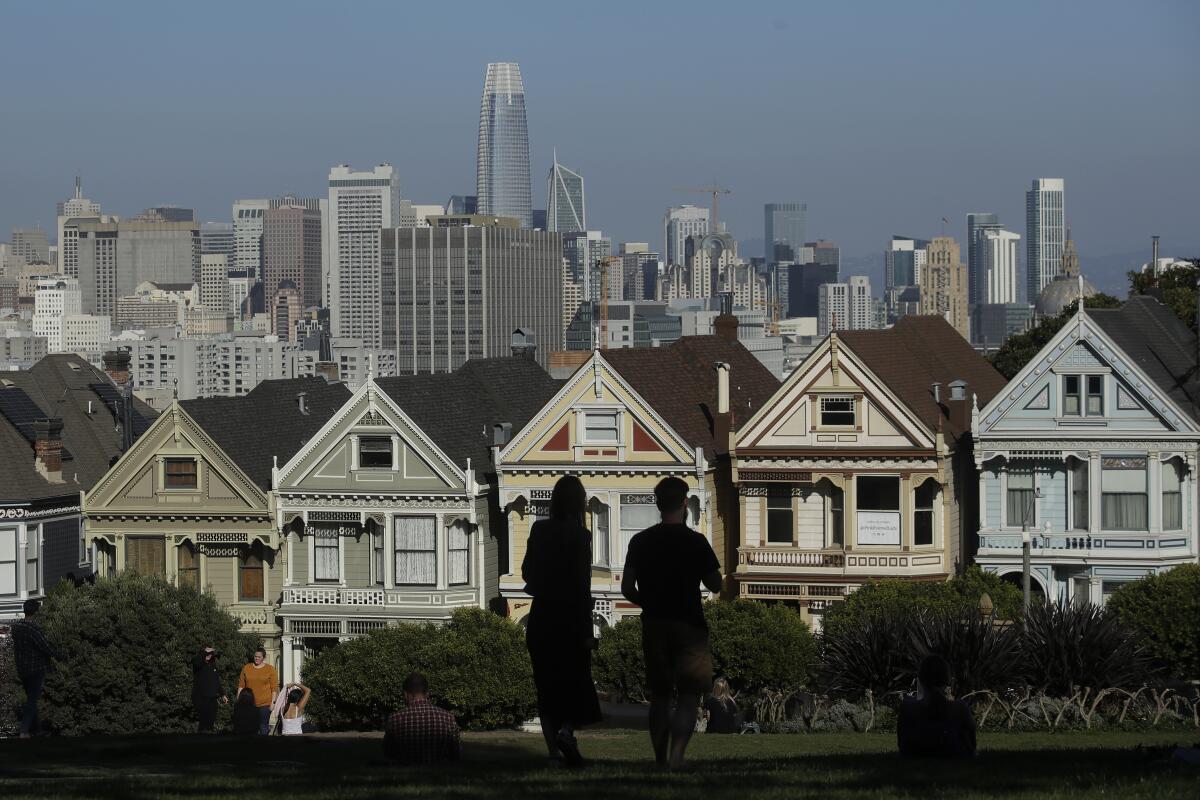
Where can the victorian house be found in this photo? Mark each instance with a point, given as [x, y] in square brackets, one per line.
[388, 512]
[859, 467]
[61, 423]
[191, 500]
[1089, 454]
[622, 422]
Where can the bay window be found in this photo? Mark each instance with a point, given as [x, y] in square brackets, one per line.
[923, 512]
[188, 566]
[1172, 495]
[416, 551]
[779, 518]
[8, 561]
[1021, 511]
[1123, 501]
[837, 517]
[600, 528]
[250, 575]
[638, 512]
[326, 546]
[1079, 496]
[32, 553]
[458, 554]
[877, 503]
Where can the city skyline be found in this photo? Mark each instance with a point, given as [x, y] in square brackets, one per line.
[861, 181]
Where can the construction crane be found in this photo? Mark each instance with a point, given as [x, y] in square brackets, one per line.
[604, 264]
[714, 190]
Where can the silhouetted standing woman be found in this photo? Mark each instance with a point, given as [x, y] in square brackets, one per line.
[558, 576]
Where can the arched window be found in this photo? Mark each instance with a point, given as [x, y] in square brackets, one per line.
[458, 553]
[250, 575]
[600, 528]
[1172, 495]
[189, 567]
[837, 517]
[924, 499]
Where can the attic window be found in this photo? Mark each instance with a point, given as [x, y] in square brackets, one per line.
[375, 452]
[600, 427]
[180, 473]
[837, 412]
[73, 366]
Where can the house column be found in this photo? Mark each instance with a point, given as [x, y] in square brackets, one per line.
[289, 541]
[983, 473]
[906, 513]
[22, 557]
[850, 513]
[285, 655]
[1095, 490]
[389, 552]
[1154, 492]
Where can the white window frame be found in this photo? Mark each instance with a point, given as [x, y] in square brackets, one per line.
[586, 414]
[12, 563]
[462, 528]
[391, 449]
[621, 540]
[396, 550]
[602, 519]
[336, 538]
[850, 398]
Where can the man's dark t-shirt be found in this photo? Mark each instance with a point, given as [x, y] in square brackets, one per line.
[669, 562]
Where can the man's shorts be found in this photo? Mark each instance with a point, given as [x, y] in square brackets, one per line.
[677, 657]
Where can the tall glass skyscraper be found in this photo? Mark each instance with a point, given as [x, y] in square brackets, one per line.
[565, 209]
[1045, 234]
[502, 167]
[783, 231]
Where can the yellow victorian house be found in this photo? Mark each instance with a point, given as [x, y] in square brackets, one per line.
[191, 501]
[622, 422]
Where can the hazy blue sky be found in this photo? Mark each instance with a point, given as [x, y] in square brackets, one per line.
[882, 116]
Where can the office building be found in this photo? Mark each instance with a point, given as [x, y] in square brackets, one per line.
[993, 323]
[997, 262]
[944, 284]
[462, 205]
[502, 167]
[565, 209]
[678, 224]
[416, 215]
[816, 263]
[54, 299]
[155, 305]
[286, 308]
[708, 259]
[292, 251]
[77, 206]
[459, 291]
[360, 205]
[639, 271]
[20, 349]
[217, 239]
[583, 251]
[977, 223]
[845, 306]
[247, 235]
[30, 245]
[114, 257]
[214, 282]
[783, 231]
[903, 261]
[1045, 234]
[166, 214]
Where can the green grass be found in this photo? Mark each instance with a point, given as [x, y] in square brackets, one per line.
[512, 765]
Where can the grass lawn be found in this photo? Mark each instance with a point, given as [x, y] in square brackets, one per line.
[512, 765]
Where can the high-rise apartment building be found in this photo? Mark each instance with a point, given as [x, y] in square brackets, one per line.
[502, 183]
[639, 271]
[114, 257]
[77, 206]
[565, 209]
[998, 266]
[1045, 234]
[292, 251]
[977, 223]
[30, 245]
[247, 235]
[944, 284]
[903, 261]
[286, 308]
[214, 282]
[678, 224]
[360, 205]
[583, 251]
[216, 239]
[54, 299]
[458, 291]
[709, 259]
[816, 263]
[845, 306]
[783, 231]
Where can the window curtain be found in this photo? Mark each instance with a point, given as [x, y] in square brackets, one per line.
[1123, 499]
[32, 545]
[1172, 497]
[600, 528]
[458, 562]
[377, 556]
[1021, 498]
[923, 501]
[1079, 496]
[416, 550]
[837, 517]
[8, 561]
[326, 543]
[635, 517]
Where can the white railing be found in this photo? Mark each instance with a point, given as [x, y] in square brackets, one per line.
[312, 596]
[363, 597]
[785, 557]
[1082, 542]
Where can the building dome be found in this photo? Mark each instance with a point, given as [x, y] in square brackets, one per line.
[1062, 292]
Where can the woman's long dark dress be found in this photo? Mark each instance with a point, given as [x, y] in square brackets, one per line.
[558, 576]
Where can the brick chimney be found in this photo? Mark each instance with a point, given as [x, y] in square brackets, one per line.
[723, 419]
[116, 365]
[726, 324]
[47, 448]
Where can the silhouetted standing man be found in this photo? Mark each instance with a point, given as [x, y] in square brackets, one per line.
[663, 571]
[33, 654]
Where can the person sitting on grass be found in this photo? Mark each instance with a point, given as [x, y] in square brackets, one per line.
[422, 733]
[933, 726]
[245, 714]
[721, 710]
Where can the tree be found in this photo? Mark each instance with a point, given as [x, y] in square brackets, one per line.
[1176, 288]
[1164, 610]
[1021, 348]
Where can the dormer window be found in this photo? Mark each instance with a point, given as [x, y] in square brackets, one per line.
[1083, 395]
[375, 452]
[837, 412]
[180, 473]
[600, 427]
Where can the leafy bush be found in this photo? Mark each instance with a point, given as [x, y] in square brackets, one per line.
[1065, 647]
[477, 665]
[618, 666]
[869, 651]
[1164, 611]
[9, 703]
[981, 654]
[958, 596]
[126, 646]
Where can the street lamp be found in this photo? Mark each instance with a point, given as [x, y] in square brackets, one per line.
[1025, 546]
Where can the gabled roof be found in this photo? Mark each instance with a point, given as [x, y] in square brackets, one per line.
[679, 382]
[62, 386]
[917, 352]
[1160, 345]
[267, 423]
[458, 410]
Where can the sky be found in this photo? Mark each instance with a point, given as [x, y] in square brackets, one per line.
[883, 117]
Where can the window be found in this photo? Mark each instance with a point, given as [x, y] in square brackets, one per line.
[8, 561]
[416, 551]
[180, 473]
[1095, 395]
[837, 412]
[32, 551]
[250, 575]
[878, 510]
[326, 543]
[837, 517]
[188, 566]
[458, 559]
[600, 427]
[377, 556]
[375, 452]
[1079, 496]
[878, 493]
[1123, 503]
[779, 518]
[638, 512]
[1071, 396]
[1021, 510]
[923, 515]
[1172, 496]
[600, 528]
[146, 555]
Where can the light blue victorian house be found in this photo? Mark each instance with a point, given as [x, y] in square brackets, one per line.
[1091, 451]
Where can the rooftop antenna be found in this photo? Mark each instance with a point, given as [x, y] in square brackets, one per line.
[78, 187]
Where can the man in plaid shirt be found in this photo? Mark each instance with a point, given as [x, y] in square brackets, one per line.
[33, 654]
[422, 733]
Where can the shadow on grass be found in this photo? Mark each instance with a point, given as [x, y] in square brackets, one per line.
[514, 766]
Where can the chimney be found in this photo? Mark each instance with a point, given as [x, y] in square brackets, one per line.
[959, 406]
[116, 366]
[47, 448]
[723, 419]
[1154, 257]
[501, 433]
[936, 388]
[301, 402]
[726, 324]
[523, 344]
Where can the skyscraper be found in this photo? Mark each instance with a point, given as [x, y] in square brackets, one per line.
[291, 251]
[845, 306]
[998, 267]
[976, 224]
[565, 209]
[247, 235]
[678, 224]
[944, 284]
[783, 231]
[360, 204]
[583, 251]
[114, 257]
[502, 158]
[30, 245]
[216, 238]
[1045, 234]
[77, 206]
